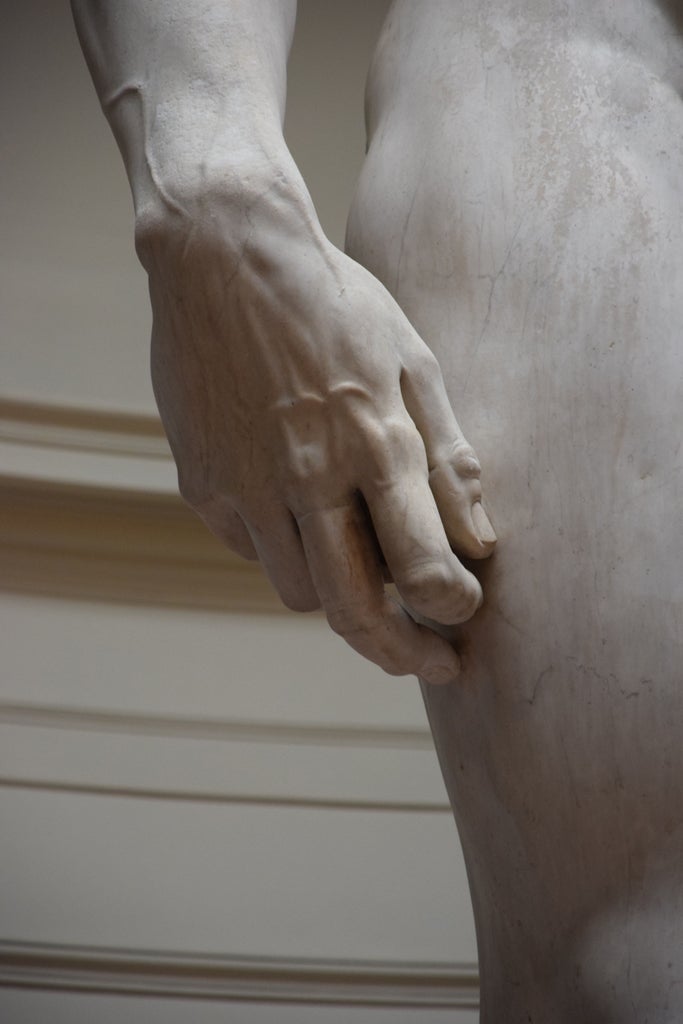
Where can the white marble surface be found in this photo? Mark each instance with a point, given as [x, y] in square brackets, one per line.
[528, 232]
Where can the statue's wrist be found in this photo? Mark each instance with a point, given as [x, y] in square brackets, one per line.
[225, 204]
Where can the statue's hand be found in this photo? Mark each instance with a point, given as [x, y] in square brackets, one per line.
[311, 428]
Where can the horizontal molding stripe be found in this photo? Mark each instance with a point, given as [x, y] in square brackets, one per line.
[160, 757]
[179, 975]
[112, 545]
[82, 429]
[232, 799]
[138, 723]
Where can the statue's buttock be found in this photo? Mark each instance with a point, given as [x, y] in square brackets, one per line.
[523, 200]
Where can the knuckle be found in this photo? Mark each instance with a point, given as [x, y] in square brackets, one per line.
[426, 584]
[400, 434]
[470, 599]
[347, 620]
[421, 361]
[464, 461]
[438, 590]
[391, 445]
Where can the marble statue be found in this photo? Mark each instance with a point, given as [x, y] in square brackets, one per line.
[515, 254]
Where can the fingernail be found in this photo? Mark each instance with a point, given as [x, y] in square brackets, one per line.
[442, 674]
[482, 524]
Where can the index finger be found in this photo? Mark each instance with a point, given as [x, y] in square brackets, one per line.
[344, 564]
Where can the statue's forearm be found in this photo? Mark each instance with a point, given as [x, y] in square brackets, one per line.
[194, 92]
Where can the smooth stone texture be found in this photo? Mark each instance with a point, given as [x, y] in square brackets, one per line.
[523, 202]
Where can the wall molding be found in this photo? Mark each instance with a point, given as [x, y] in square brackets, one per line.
[61, 967]
[144, 724]
[226, 799]
[170, 759]
[73, 428]
[89, 509]
[78, 541]
[90, 447]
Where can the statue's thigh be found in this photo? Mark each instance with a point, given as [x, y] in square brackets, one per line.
[558, 333]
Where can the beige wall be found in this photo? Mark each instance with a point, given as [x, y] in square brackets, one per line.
[200, 794]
